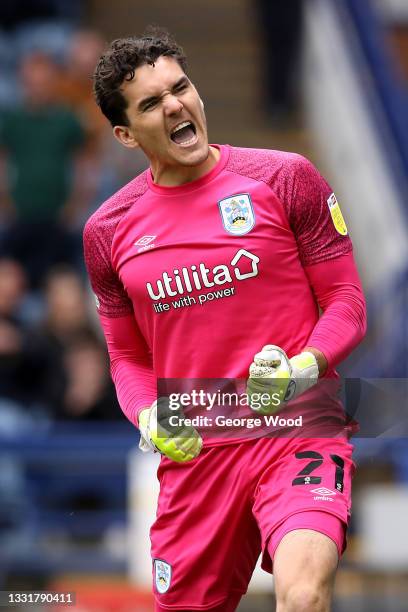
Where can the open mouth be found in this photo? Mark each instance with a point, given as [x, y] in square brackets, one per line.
[184, 134]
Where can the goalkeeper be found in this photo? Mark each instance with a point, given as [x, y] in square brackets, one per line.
[199, 265]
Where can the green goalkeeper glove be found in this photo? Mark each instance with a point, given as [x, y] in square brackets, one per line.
[179, 443]
[273, 374]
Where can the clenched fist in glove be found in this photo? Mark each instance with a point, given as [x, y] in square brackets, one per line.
[273, 374]
[177, 442]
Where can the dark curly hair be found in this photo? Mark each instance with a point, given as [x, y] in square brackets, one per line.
[119, 63]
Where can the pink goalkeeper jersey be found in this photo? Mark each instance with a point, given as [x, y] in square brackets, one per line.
[204, 274]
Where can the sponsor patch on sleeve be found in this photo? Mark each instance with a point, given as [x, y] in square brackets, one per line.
[336, 215]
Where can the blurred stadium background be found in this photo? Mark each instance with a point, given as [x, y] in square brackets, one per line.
[326, 78]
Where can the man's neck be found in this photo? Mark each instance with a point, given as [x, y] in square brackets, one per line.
[186, 174]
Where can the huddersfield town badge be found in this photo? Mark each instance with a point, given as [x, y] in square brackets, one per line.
[237, 214]
[162, 575]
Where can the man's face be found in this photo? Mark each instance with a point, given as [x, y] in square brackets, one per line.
[166, 117]
[38, 74]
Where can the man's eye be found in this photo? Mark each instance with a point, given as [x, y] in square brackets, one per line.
[150, 105]
[180, 87]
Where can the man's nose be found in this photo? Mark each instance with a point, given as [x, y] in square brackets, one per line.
[172, 105]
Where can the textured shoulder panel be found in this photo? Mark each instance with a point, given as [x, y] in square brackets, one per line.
[260, 164]
[114, 208]
[304, 195]
[275, 168]
[98, 236]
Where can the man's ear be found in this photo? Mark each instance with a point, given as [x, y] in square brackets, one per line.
[125, 136]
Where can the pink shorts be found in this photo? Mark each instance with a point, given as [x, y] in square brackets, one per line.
[217, 513]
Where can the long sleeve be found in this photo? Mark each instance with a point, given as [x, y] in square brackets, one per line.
[131, 365]
[325, 251]
[338, 291]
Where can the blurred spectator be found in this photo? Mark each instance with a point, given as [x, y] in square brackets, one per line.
[280, 25]
[74, 85]
[20, 365]
[107, 165]
[66, 304]
[12, 287]
[65, 317]
[74, 89]
[78, 384]
[89, 392]
[41, 143]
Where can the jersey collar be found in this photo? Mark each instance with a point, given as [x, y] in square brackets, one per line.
[193, 185]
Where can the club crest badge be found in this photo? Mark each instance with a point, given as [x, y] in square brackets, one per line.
[162, 575]
[237, 214]
[336, 215]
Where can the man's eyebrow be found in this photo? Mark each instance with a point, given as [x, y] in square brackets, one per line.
[182, 81]
[147, 101]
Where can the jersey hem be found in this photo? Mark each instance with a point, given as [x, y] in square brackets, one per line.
[311, 528]
[309, 509]
[267, 559]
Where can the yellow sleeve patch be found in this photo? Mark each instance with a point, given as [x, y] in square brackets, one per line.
[337, 217]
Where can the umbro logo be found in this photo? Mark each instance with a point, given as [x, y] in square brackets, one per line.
[144, 240]
[323, 494]
[323, 491]
[144, 243]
